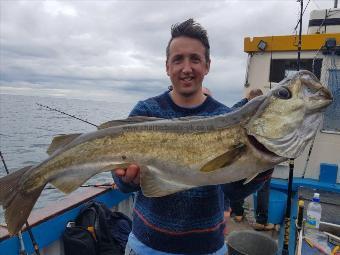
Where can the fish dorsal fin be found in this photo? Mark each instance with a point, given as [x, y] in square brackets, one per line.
[225, 159]
[153, 185]
[60, 141]
[129, 120]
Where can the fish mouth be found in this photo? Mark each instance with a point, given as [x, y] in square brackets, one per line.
[263, 151]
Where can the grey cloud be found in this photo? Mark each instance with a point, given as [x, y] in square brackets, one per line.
[119, 46]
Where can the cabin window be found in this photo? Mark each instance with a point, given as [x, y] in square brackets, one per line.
[281, 68]
[331, 121]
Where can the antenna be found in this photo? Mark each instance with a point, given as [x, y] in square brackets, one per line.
[300, 35]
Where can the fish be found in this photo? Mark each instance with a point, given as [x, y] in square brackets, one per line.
[178, 154]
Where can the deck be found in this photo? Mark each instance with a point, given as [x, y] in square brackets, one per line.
[249, 219]
[56, 215]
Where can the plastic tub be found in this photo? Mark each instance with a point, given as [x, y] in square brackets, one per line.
[249, 242]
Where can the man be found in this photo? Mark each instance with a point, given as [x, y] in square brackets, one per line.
[236, 192]
[188, 222]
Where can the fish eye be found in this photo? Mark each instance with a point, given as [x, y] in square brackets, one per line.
[283, 93]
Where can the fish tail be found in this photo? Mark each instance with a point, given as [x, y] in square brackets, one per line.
[16, 203]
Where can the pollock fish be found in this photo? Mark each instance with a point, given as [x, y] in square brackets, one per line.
[178, 154]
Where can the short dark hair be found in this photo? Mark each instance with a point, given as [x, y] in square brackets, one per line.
[192, 29]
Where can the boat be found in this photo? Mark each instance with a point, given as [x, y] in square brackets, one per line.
[48, 224]
[274, 57]
[270, 60]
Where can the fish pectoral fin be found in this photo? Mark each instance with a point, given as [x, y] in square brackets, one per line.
[60, 141]
[250, 179]
[153, 185]
[129, 120]
[225, 159]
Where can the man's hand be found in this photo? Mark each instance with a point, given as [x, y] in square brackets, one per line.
[226, 220]
[254, 93]
[129, 175]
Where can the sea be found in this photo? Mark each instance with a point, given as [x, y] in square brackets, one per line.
[27, 129]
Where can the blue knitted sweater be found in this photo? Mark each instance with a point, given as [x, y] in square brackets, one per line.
[189, 222]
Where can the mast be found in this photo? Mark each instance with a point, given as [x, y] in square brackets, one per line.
[287, 221]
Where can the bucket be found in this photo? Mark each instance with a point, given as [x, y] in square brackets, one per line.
[277, 206]
[249, 242]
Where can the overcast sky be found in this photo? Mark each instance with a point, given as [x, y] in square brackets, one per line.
[115, 50]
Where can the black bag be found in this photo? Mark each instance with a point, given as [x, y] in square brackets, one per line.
[97, 231]
[78, 240]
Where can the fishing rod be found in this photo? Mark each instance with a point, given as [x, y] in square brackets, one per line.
[75, 117]
[72, 116]
[28, 227]
[21, 244]
[285, 249]
[81, 186]
[21, 241]
[22, 250]
[308, 156]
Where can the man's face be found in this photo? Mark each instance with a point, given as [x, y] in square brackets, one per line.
[186, 65]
